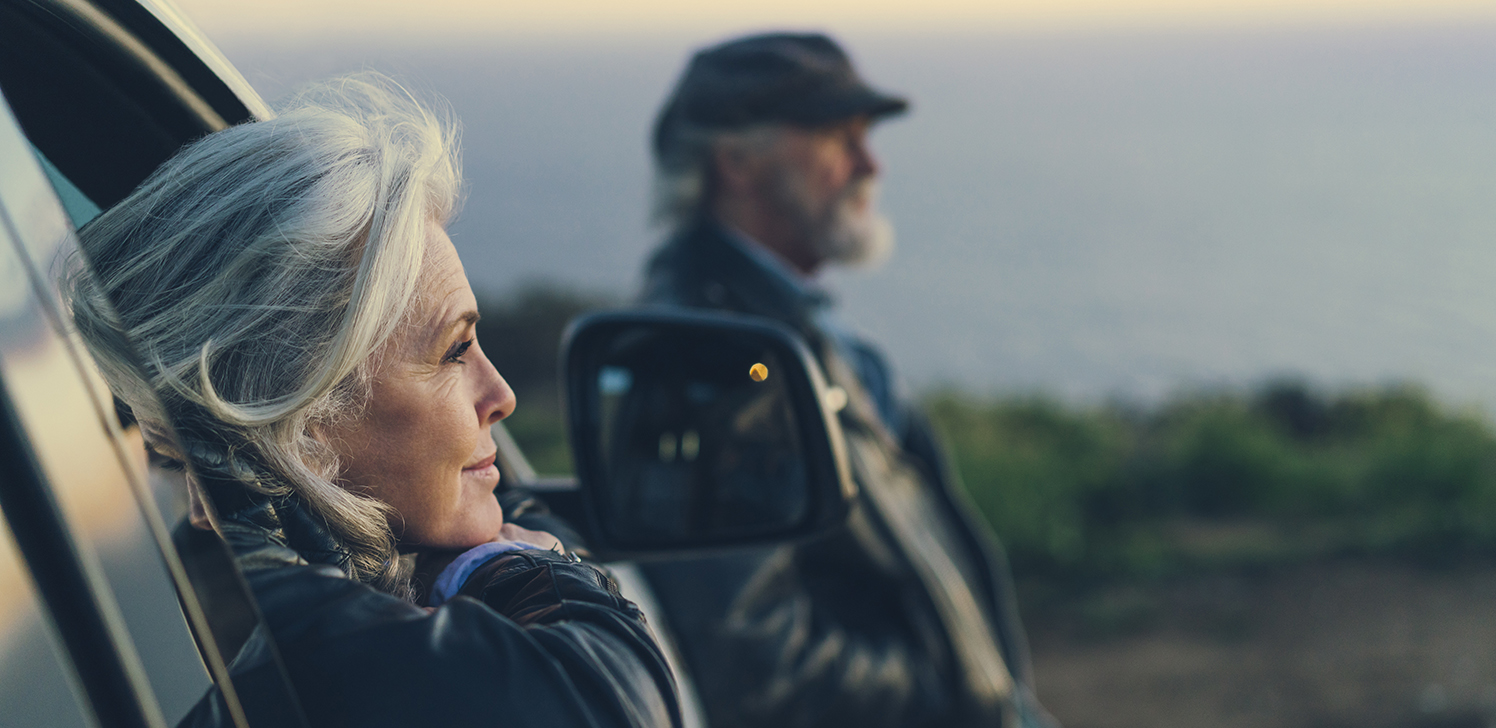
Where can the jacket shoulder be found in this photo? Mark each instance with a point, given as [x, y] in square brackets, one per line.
[683, 271]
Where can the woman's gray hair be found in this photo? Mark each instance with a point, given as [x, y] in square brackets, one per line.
[684, 180]
[258, 273]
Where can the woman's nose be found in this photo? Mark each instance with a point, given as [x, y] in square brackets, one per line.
[495, 398]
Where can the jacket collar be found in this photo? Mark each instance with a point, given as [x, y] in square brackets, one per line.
[266, 532]
[758, 279]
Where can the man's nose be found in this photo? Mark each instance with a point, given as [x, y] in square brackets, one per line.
[865, 164]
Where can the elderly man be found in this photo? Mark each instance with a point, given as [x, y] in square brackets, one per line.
[906, 617]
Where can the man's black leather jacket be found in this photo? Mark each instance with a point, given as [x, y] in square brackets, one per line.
[535, 638]
[878, 625]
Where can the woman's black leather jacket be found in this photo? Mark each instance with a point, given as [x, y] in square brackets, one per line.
[536, 638]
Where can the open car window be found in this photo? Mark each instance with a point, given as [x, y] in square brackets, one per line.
[77, 507]
[100, 570]
[105, 91]
[78, 207]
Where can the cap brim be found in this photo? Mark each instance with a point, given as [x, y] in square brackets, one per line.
[851, 104]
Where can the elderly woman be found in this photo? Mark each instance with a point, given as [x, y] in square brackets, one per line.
[282, 297]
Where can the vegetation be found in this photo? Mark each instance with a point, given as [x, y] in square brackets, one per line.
[1216, 478]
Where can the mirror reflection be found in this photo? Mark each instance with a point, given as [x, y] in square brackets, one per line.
[694, 442]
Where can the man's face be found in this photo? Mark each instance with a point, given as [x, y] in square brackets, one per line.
[823, 180]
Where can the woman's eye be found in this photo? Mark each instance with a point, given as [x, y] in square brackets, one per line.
[457, 351]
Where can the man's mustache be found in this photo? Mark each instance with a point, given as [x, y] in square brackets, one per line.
[861, 191]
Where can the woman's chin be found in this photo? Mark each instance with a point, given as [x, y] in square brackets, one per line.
[476, 530]
[483, 520]
[474, 520]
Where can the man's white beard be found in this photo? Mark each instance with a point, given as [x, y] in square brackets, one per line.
[850, 231]
[854, 232]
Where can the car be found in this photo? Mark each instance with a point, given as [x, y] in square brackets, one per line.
[113, 612]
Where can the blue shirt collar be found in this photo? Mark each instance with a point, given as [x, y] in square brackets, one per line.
[792, 282]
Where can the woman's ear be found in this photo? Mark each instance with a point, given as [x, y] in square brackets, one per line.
[197, 506]
[164, 459]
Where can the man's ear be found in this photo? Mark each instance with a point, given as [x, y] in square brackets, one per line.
[736, 169]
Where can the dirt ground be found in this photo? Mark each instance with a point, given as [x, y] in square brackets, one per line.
[1371, 644]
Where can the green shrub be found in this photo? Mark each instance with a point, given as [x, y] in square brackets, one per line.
[1034, 467]
[1214, 477]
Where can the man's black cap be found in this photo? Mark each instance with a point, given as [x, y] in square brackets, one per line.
[784, 78]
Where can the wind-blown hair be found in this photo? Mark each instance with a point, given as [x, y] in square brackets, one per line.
[257, 274]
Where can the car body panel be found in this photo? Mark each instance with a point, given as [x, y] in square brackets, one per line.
[84, 500]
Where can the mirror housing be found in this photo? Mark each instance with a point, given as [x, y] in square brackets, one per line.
[695, 431]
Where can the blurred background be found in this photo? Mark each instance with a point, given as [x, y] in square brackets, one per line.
[1203, 295]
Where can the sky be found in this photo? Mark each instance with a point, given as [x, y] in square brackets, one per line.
[593, 18]
[1093, 198]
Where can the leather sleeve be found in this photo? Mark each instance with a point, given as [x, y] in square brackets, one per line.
[563, 649]
[928, 452]
[526, 510]
[570, 605]
[782, 638]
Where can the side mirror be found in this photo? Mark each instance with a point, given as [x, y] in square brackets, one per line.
[695, 431]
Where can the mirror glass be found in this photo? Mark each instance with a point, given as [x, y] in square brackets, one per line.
[699, 438]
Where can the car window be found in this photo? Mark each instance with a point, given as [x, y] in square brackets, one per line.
[92, 98]
[94, 475]
[78, 207]
[106, 96]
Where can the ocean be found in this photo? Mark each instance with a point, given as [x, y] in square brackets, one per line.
[1088, 215]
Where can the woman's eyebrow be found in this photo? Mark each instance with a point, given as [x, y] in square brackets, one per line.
[468, 318]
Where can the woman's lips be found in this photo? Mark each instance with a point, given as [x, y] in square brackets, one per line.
[483, 464]
[483, 468]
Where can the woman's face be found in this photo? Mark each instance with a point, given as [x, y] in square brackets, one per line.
[422, 444]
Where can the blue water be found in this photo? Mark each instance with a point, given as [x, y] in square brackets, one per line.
[1088, 215]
